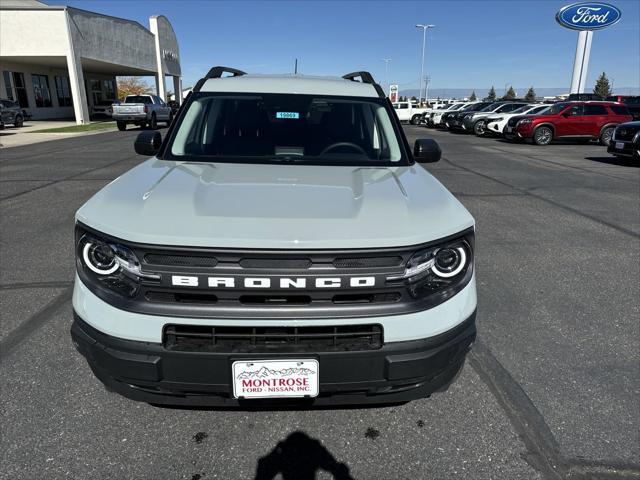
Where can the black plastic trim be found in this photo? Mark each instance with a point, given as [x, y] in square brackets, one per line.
[397, 372]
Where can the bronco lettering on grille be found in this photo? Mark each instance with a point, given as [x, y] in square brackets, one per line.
[278, 282]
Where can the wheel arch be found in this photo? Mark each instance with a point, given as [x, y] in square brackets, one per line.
[546, 124]
[608, 125]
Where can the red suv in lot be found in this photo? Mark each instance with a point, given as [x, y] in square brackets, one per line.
[580, 120]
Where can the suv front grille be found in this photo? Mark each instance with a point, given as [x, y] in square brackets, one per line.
[180, 260]
[198, 338]
[625, 133]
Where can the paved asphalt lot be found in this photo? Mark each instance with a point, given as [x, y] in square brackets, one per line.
[550, 391]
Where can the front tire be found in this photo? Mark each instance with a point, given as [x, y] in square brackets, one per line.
[606, 135]
[19, 121]
[542, 136]
[122, 126]
[415, 120]
[153, 123]
[170, 121]
[479, 128]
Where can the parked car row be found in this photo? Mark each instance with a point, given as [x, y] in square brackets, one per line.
[604, 121]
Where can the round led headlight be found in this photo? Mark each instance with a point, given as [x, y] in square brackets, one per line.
[100, 258]
[448, 262]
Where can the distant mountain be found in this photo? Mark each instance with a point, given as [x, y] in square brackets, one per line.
[521, 91]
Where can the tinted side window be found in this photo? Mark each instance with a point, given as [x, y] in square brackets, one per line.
[620, 110]
[404, 105]
[595, 110]
[576, 110]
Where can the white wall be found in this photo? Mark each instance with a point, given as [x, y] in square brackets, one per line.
[40, 33]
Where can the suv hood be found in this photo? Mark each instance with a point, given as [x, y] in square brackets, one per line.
[274, 206]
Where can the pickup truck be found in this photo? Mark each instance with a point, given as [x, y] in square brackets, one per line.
[409, 112]
[283, 243]
[142, 110]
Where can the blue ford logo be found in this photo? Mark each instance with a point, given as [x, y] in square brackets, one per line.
[588, 16]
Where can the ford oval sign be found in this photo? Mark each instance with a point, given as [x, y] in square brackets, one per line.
[588, 16]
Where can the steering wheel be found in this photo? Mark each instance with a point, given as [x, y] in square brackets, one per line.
[343, 144]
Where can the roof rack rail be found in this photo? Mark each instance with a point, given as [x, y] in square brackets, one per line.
[365, 77]
[217, 72]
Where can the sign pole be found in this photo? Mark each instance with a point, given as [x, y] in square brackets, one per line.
[581, 61]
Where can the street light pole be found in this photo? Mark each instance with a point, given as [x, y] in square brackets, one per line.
[386, 73]
[426, 89]
[424, 41]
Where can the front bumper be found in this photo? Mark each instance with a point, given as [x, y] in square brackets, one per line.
[396, 372]
[629, 149]
[467, 124]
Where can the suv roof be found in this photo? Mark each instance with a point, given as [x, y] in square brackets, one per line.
[290, 83]
[241, 82]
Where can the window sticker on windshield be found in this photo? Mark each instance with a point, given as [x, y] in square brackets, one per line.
[293, 115]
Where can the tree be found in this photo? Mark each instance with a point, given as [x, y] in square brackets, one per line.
[603, 87]
[132, 86]
[492, 94]
[531, 95]
[510, 95]
[414, 98]
[473, 96]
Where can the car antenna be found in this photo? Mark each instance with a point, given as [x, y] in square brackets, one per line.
[295, 68]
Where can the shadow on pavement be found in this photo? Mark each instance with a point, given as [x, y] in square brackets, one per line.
[300, 457]
[611, 160]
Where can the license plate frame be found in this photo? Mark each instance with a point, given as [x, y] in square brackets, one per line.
[277, 378]
[619, 146]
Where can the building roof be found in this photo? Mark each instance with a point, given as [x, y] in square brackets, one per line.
[30, 4]
[290, 83]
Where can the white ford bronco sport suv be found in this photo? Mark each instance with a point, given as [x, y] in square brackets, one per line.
[280, 243]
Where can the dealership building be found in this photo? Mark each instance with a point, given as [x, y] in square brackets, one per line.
[58, 61]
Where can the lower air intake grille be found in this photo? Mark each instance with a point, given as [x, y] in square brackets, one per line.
[196, 338]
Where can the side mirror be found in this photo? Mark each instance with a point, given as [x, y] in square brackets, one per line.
[148, 143]
[426, 150]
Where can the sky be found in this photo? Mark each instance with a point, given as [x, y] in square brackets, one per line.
[475, 44]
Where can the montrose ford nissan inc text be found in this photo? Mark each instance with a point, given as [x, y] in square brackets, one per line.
[276, 245]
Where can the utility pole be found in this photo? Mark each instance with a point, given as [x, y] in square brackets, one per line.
[424, 41]
[386, 73]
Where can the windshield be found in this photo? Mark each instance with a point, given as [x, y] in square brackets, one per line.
[491, 107]
[539, 110]
[287, 128]
[557, 108]
[474, 107]
[522, 109]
